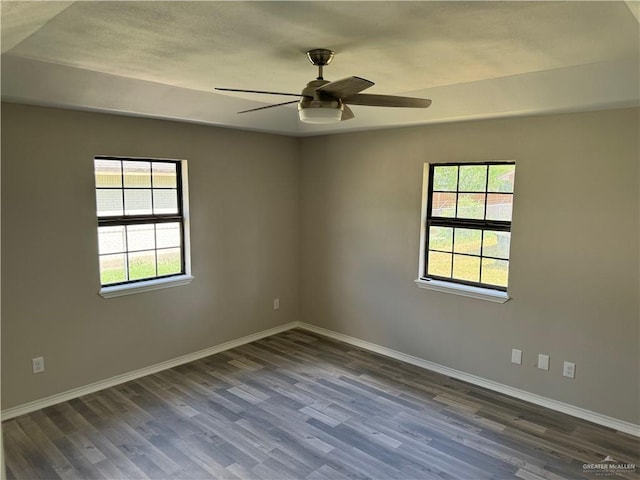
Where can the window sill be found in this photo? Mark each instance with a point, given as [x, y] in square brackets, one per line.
[464, 290]
[146, 286]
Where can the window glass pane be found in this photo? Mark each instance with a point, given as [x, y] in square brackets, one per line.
[466, 199]
[167, 235]
[108, 173]
[439, 264]
[467, 241]
[441, 238]
[466, 268]
[112, 269]
[499, 206]
[501, 178]
[137, 202]
[141, 237]
[165, 201]
[142, 265]
[111, 240]
[443, 205]
[473, 178]
[471, 205]
[109, 202]
[169, 261]
[137, 174]
[495, 272]
[445, 178]
[496, 244]
[164, 175]
[129, 251]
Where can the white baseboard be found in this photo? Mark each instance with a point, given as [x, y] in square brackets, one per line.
[126, 377]
[572, 410]
[604, 420]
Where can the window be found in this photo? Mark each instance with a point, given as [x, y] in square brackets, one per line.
[467, 232]
[141, 223]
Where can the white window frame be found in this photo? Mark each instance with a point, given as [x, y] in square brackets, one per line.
[479, 293]
[111, 291]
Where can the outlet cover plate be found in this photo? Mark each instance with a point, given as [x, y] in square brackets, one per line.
[569, 370]
[37, 364]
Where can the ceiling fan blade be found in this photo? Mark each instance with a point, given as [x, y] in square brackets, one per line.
[269, 106]
[387, 101]
[258, 91]
[347, 113]
[345, 87]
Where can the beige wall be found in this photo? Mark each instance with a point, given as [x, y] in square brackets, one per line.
[575, 241]
[244, 234]
[348, 206]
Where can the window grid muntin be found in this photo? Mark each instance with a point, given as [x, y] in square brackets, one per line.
[468, 223]
[152, 218]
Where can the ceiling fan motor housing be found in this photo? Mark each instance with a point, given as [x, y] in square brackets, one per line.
[319, 107]
[311, 98]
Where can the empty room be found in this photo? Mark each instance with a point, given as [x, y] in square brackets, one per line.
[320, 240]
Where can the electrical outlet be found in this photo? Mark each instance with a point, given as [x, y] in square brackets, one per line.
[543, 361]
[516, 356]
[37, 364]
[276, 304]
[569, 370]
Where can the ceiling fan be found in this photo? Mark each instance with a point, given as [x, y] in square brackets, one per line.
[322, 101]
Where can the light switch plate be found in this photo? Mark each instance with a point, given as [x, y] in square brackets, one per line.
[516, 356]
[543, 361]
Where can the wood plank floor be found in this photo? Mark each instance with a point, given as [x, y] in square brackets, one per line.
[300, 406]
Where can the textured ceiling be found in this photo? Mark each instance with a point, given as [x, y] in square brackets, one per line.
[473, 59]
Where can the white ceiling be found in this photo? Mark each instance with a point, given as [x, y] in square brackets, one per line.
[473, 59]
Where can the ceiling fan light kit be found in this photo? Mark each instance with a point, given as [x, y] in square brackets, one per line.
[315, 107]
[324, 102]
[319, 115]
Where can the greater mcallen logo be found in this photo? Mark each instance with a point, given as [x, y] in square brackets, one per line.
[609, 466]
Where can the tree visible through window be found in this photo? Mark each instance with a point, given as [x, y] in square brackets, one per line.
[140, 219]
[469, 223]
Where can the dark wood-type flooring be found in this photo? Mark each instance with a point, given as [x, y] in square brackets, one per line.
[300, 406]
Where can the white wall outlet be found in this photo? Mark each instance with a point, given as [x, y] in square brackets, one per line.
[569, 370]
[543, 361]
[37, 364]
[516, 356]
[276, 304]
